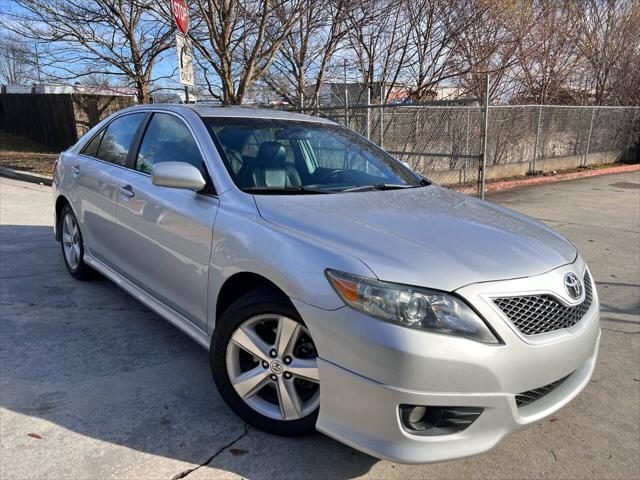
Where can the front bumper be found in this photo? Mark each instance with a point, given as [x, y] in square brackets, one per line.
[368, 368]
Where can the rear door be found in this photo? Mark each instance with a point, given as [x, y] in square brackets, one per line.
[166, 233]
[98, 171]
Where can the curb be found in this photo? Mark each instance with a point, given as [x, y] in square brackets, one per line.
[25, 176]
[525, 182]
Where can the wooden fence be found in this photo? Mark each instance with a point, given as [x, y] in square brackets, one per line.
[56, 120]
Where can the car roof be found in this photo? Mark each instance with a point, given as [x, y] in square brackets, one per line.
[215, 111]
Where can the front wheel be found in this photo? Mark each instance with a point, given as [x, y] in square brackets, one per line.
[264, 363]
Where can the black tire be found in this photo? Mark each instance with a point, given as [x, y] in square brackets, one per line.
[81, 271]
[258, 303]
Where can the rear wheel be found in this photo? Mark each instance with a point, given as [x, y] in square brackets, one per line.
[72, 246]
[264, 363]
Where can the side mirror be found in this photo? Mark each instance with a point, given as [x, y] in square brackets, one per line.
[177, 175]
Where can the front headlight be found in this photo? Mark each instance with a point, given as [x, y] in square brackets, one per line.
[412, 307]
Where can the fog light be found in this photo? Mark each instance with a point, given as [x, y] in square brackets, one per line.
[437, 420]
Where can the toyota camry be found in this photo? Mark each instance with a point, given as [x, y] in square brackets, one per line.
[333, 287]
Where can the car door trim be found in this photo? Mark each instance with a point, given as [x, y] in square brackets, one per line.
[159, 307]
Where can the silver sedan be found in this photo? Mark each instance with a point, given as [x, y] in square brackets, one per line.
[334, 288]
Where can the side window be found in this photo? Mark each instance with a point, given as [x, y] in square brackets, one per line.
[116, 141]
[91, 148]
[167, 139]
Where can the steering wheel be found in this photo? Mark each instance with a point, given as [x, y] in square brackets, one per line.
[329, 174]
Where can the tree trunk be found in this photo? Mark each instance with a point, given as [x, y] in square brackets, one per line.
[142, 91]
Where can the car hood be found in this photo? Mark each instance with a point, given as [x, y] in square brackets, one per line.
[430, 236]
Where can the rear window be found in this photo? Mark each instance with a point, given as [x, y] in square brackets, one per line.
[91, 149]
[117, 139]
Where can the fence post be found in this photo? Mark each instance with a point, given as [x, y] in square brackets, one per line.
[466, 147]
[346, 97]
[586, 154]
[485, 131]
[631, 130]
[381, 115]
[535, 145]
[368, 113]
[346, 108]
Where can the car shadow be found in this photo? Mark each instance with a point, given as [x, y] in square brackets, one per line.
[89, 358]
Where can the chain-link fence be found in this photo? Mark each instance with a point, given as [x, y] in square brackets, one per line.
[535, 139]
[444, 143]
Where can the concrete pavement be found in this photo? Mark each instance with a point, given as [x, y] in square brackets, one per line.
[112, 390]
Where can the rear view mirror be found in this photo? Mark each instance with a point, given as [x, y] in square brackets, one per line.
[177, 175]
[293, 133]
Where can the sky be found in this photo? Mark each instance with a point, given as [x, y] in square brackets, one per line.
[165, 67]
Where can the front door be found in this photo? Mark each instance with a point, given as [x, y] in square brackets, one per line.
[166, 233]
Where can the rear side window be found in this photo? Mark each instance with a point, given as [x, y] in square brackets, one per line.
[117, 139]
[91, 149]
[167, 139]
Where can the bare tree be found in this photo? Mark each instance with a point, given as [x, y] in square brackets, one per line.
[307, 51]
[379, 41]
[436, 30]
[625, 82]
[487, 46]
[237, 40]
[546, 54]
[608, 32]
[121, 38]
[17, 62]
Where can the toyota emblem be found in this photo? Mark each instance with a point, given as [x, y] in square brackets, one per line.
[276, 367]
[573, 285]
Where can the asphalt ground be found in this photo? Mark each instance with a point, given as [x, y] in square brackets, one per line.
[94, 385]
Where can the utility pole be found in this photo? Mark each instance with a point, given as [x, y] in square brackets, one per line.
[38, 64]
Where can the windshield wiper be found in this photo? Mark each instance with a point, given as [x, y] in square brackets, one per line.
[379, 186]
[284, 190]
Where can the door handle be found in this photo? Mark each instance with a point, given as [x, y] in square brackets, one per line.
[75, 170]
[127, 191]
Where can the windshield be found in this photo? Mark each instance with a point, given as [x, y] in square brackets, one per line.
[274, 156]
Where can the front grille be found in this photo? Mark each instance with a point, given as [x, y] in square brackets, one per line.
[525, 398]
[534, 314]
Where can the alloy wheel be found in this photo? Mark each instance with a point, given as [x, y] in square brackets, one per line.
[272, 365]
[71, 241]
